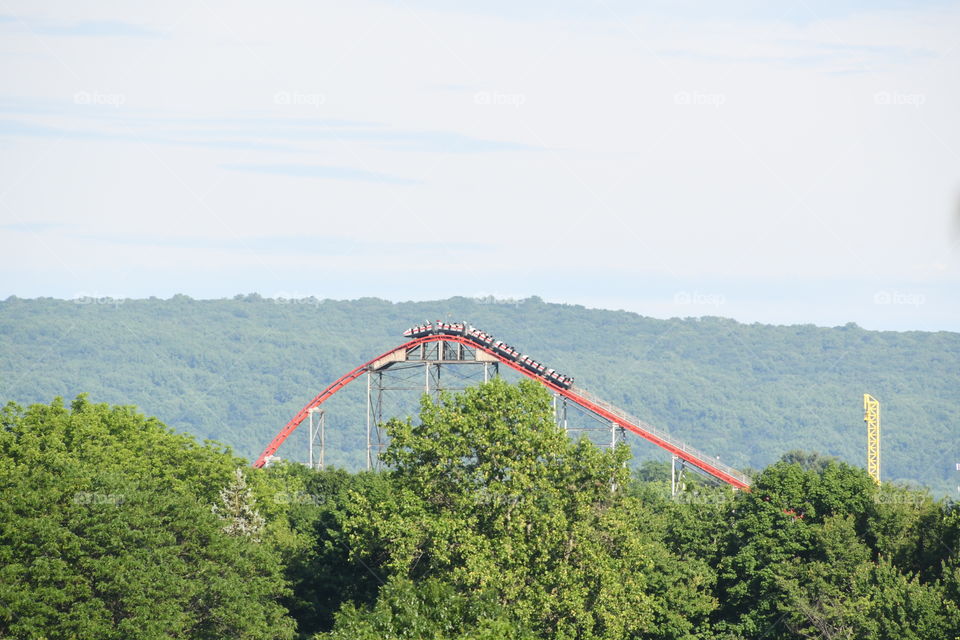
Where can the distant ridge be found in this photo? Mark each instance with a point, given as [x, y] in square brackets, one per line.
[235, 370]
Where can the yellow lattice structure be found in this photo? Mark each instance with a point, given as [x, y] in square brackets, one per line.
[871, 415]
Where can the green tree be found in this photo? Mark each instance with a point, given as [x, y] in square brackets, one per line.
[806, 556]
[951, 590]
[428, 610]
[910, 529]
[808, 460]
[238, 509]
[306, 510]
[487, 494]
[775, 532]
[100, 540]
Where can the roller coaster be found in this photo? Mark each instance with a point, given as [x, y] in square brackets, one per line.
[493, 350]
[498, 347]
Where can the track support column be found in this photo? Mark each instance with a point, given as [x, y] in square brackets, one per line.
[676, 475]
[618, 435]
[369, 412]
[316, 428]
[560, 413]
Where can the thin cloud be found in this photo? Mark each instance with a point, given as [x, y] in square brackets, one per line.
[319, 171]
[259, 134]
[84, 28]
[307, 245]
[32, 227]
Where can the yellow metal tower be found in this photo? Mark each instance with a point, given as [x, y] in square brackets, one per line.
[871, 415]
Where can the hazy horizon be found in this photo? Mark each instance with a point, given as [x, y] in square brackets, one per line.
[487, 299]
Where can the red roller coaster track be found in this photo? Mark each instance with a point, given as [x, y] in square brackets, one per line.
[579, 396]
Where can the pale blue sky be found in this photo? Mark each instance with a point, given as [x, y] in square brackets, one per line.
[788, 162]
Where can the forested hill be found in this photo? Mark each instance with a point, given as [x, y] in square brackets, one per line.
[236, 370]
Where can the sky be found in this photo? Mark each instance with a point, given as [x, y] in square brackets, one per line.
[791, 162]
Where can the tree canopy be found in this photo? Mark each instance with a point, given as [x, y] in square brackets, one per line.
[107, 531]
[487, 523]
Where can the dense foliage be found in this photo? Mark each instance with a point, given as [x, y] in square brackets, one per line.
[488, 524]
[107, 531]
[237, 370]
[488, 495]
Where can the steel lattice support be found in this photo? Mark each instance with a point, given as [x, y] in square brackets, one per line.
[676, 475]
[560, 412]
[402, 372]
[316, 430]
[617, 434]
[871, 415]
